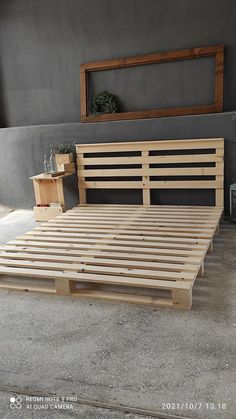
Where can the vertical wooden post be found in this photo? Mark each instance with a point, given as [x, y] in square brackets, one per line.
[219, 192]
[219, 78]
[182, 298]
[82, 191]
[83, 93]
[201, 270]
[60, 192]
[36, 184]
[219, 199]
[145, 179]
[210, 248]
[64, 286]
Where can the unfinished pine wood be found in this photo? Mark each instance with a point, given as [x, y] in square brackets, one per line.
[145, 177]
[191, 158]
[219, 194]
[130, 253]
[176, 165]
[48, 189]
[180, 144]
[216, 51]
[157, 266]
[82, 191]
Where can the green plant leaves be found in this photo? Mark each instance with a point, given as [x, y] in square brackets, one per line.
[105, 102]
[63, 148]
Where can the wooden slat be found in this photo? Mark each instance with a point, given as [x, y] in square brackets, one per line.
[165, 232]
[130, 160]
[134, 225]
[130, 272]
[146, 207]
[98, 261]
[144, 240]
[148, 211]
[125, 298]
[183, 171]
[165, 184]
[4, 285]
[149, 217]
[129, 230]
[188, 144]
[104, 279]
[96, 254]
[164, 249]
[170, 242]
[156, 218]
[88, 221]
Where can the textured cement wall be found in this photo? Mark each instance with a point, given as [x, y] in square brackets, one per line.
[43, 43]
[22, 151]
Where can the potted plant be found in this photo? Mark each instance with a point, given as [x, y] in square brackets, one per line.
[105, 102]
[63, 153]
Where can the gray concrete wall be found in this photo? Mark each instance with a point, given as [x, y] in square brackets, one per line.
[22, 151]
[43, 43]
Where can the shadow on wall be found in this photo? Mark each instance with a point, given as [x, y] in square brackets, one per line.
[3, 114]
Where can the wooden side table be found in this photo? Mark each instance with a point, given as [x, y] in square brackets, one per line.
[48, 189]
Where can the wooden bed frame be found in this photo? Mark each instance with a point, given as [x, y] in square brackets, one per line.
[149, 254]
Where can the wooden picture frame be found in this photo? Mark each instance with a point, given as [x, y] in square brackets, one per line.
[216, 51]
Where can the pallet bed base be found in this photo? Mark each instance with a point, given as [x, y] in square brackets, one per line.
[149, 254]
[137, 254]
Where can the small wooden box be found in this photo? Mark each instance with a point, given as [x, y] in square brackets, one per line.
[46, 213]
[64, 158]
[67, 168]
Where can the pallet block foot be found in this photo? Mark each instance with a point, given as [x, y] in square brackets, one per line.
[201, 270]
[64, 286]
[182, 298]
[210, 248]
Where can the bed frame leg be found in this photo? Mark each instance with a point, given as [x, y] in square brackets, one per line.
[201, 270]
[217, 229]
[210, 248]
[182, 298]
[64, 286]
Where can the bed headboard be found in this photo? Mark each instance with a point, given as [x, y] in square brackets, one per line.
[146, 165]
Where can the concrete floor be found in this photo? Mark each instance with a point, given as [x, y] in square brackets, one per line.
[4, 211]
[119, 353]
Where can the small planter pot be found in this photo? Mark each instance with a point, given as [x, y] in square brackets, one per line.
[64, 158]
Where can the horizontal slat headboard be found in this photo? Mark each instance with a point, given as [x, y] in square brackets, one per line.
[146, 165]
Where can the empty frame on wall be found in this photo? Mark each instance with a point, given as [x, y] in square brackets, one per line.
[217, 52]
